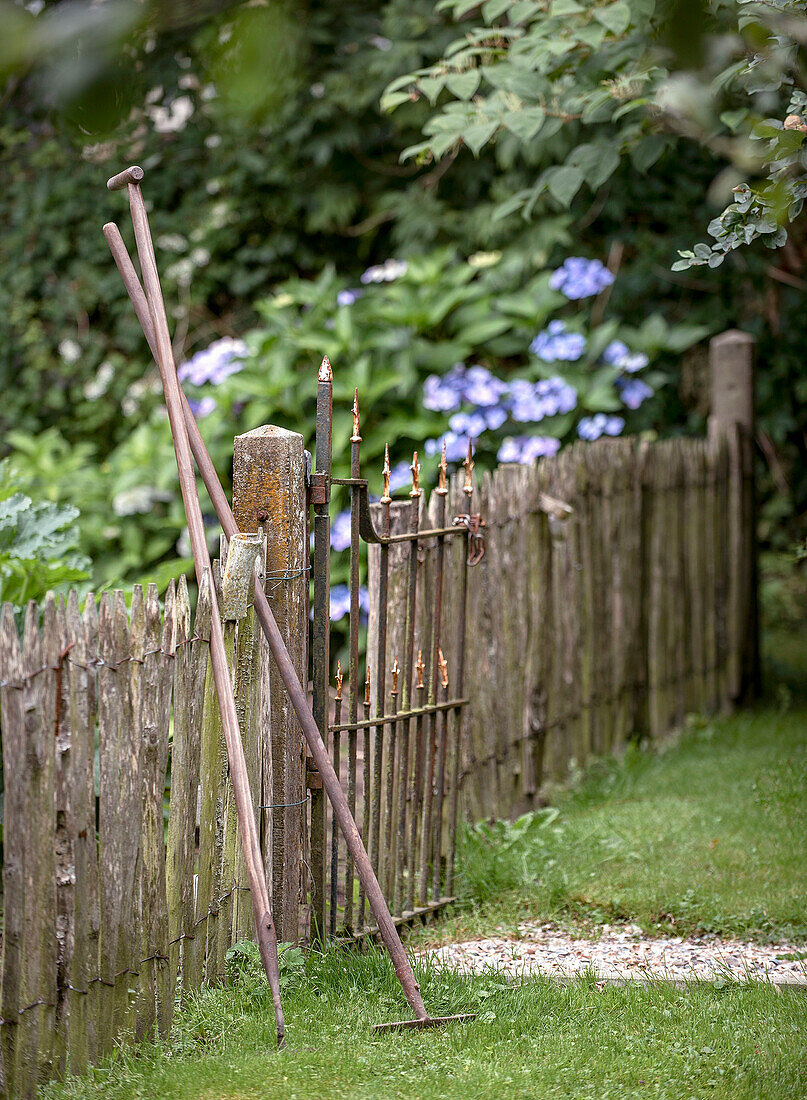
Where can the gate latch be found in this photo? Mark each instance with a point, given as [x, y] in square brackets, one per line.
[475, 525]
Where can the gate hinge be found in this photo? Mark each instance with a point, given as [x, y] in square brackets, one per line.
[320, 488]
[313, 776]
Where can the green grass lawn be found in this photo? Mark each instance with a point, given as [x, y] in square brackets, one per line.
[708, 834]
[539, 1039]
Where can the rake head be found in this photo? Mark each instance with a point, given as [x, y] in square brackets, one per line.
[426, 1022]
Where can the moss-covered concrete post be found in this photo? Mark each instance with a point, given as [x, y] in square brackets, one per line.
[732, 360]
[269, 494]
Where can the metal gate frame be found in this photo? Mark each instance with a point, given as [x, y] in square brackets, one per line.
[410, 784]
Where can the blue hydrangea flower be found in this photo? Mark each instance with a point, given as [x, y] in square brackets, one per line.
[555, 343]
[633, 391]
[473, 424]
[527, 448]
[481, 388]
[340, 531]
[592, 427]
[203, 407]
[618, 354]
[340, 602]
[495, 417]
[616, 351]
[386, 272]
[444, 394]
[456, 446]
[399, 476]
[578, 278]
[348, 297]
[218, 361]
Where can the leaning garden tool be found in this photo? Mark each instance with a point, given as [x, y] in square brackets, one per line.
[160, 344]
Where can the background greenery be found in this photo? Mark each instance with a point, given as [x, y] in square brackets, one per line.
[275, 178]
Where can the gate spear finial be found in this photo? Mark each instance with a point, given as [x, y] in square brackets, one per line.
[415, 468]
[385, 497]
[356, 437]
[442, 486]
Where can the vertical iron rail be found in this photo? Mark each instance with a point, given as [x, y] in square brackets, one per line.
[389, 800]
[320, 634]
[407, 688]
[406, 693]
[336, 747]
[381, 677]
[429, 825]
[442, 724]
[365, 804]
[468, 490]
[416, 791]
[353, 673]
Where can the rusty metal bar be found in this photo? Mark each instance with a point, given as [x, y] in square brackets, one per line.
[334, 830]
[365, 809]
[388, 862]
[353, 674]
[416, 791]
[468, 490]
[429, 826]
[442, 723]
[373, 723]
[381, 676]
[320, 632]
[406, 692]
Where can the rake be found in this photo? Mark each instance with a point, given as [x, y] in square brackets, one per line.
[150, 309]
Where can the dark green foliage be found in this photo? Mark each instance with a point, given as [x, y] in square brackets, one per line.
[303, 181]
[38, 545]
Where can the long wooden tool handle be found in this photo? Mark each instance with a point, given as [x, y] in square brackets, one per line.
[288, 674]
[161, 344]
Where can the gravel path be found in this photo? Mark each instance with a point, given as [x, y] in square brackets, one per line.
[623, 953]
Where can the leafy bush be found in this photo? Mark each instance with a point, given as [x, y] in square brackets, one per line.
[245, 970]
[37, 545]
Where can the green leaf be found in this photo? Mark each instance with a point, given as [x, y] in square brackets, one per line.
[525, 123]
[732, 119]
[647, 152]
[463, 85]
[597, 161]
[478, 135]
[431, 86]
[616, 17]
[563, 183]
[565, 7]
[391, 100]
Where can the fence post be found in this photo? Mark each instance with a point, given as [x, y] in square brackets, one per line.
[732, 360]
[269, 493]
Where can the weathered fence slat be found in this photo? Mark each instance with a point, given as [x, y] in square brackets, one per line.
[190, 663]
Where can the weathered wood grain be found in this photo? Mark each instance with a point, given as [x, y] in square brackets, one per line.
[155, 1008]
[190, 664]
[119, 819]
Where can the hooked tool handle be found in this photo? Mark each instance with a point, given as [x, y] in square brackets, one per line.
[133, 174]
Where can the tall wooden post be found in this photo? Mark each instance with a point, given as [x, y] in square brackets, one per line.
[269, 494]
[732, 359]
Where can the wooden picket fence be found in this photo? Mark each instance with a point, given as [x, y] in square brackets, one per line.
[602, 611]
[616, 595]
[110, 910]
